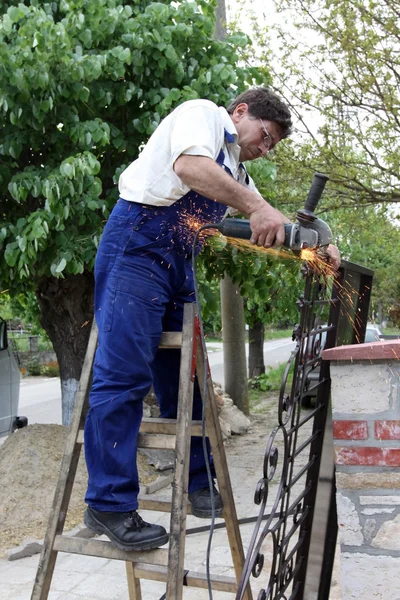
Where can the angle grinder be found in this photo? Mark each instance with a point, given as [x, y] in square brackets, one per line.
[307, 232]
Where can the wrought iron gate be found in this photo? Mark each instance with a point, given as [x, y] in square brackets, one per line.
[302, 556]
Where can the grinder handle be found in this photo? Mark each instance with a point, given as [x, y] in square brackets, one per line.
[315, 193]
[240, 228]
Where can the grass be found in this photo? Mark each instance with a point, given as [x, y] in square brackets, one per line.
[391, 331]
[20, 343]
[277, 334]
[270, 334]
[269, 382]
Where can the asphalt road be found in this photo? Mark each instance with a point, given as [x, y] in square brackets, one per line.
[40, 397]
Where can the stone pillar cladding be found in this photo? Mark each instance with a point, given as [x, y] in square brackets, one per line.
[365, 390]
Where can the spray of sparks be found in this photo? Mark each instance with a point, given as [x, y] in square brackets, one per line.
[315, 259]
[318, 261]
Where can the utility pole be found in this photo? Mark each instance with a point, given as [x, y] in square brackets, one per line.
[220, 23]
[232, 308]
[233, 336]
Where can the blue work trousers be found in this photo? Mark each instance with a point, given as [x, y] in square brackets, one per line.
[143, 279]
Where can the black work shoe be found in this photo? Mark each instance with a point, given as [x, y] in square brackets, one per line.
[127, 531]
[201, 503]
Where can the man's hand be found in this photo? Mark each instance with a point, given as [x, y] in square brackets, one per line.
[333, 256]
[267, 226]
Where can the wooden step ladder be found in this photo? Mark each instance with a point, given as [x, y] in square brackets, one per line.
[162, 564]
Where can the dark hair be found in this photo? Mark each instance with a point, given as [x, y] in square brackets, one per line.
[265, 104]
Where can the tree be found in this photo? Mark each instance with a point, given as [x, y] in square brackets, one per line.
[339, 67]
[83, 83]
[370, 236]
[268, 280]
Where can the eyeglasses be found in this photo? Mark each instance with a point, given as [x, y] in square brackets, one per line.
[267, 140]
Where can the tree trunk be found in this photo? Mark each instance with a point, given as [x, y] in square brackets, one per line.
[256, 350]
[380, 313]
[233, 328]
[66, 314]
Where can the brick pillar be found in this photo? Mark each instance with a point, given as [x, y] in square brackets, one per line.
[366, 430]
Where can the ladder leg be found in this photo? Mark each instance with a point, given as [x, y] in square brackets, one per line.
[135, 592]
[182, 451]
[67, 475]
[221, 469]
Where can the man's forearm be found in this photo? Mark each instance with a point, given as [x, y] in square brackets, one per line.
[206, 177]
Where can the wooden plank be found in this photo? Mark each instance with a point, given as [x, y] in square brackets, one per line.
[158, 426]
[159, 504]
[166, 426]
[182, 452]
[171, 339]
[102, 549]
[220, 583]
[134, 589]
[221, 468]
[150, 440]
[68, 468]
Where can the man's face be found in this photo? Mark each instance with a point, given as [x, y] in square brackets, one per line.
[257, 137]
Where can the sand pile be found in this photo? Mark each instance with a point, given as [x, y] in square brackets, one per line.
[30, 462]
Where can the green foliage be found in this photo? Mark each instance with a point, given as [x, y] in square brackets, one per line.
[338, 65]
[261, 382]
[270, 381]
[269, 281]
[24, 308]
[83, 84]
[371, 237]
[269, 285]
[33, 367]
[276, 334]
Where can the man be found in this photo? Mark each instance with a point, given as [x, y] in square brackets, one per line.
[189, 173]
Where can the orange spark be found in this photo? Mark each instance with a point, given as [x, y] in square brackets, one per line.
[246, 245]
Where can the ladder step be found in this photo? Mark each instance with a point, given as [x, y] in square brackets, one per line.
[148, 564]
[171, 339]
[157, 427]
[167, 426]
[220, 583]
[75, 545]
[152, 440]
[158, 504]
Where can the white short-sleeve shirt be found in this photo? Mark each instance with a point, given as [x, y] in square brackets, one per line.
[196, 127]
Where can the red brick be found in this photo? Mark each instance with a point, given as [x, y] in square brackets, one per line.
[350, 430]
[387, 430]
[367, 456]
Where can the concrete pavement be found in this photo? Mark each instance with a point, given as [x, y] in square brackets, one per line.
[90, 578]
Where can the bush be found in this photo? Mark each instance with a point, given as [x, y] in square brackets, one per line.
[51, 369]
[34, 367]
[261, 382]
[271, 380]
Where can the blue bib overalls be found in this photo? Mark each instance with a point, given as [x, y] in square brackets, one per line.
[143, 279]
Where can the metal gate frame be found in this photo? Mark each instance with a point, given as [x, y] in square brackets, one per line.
[331, 314]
